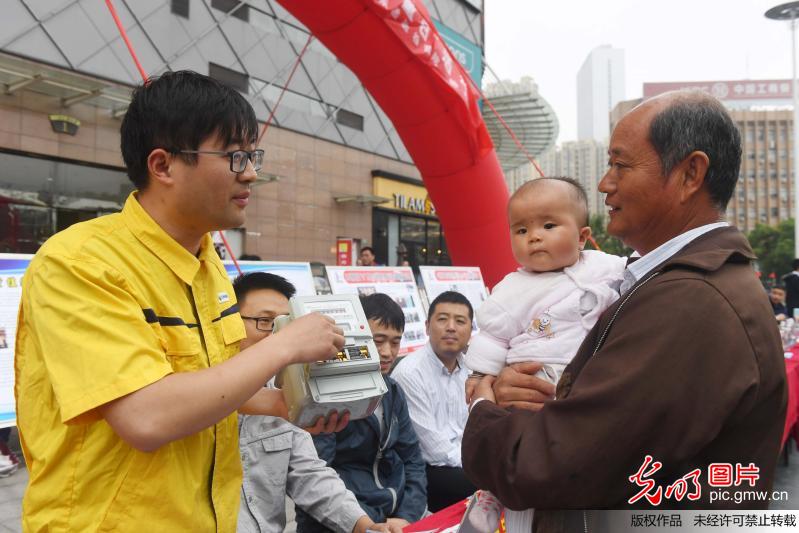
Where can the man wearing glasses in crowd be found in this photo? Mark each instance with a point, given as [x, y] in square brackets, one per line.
[128, 368]
[279, 459]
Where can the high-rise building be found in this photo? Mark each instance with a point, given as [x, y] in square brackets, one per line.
[600, 86]
[585, 161]
[762, 110]
[764, 194]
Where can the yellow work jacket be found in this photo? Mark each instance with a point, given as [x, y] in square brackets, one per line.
[110, 306]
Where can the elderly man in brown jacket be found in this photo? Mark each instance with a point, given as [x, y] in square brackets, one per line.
[686, 367]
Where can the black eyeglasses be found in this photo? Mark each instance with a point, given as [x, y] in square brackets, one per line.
[262, 323]
[238, 158]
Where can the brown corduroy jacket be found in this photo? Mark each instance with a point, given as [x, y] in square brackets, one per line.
[687, 367]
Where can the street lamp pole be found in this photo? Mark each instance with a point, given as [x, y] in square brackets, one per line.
[790, 11]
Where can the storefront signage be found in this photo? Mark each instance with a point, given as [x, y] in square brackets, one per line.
[465, 52]
[404, 196]
[415, 204]
[728, 90]
[345, 251]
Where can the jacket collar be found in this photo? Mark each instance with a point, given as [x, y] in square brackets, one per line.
[712, 250]
[158, 241]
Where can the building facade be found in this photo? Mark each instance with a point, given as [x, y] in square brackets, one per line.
[330, 149]
[585, 161]
[600, 86]
[763, 112]
[764, 194]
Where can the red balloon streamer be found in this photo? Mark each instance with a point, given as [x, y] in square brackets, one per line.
[285, 86]
[124, 35]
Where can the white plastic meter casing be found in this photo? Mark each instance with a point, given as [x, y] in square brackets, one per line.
[350, 382]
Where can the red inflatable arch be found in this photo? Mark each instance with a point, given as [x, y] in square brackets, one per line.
[396, 52]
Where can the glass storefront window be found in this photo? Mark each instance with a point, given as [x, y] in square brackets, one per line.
[24, 228]
[39, 197]
[421, 239]
[412, 229]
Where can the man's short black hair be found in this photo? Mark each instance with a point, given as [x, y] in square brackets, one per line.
[696, 121]
[450, 297]
[384, 310]
[795, 264]
[178, 111]
[367, 249]
[254, 281]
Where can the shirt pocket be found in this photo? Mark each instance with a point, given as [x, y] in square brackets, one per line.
[277, 456]
[232, 333]
[181, 346]
[266, 462]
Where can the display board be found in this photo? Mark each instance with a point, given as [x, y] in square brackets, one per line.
[465, 280]
[299, 274]
[12, 267]
[398, 283]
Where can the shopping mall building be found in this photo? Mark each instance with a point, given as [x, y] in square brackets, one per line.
[335, 166]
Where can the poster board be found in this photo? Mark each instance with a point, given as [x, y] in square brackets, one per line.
[299, 274]
[398, 283]
[465, 280]
[12, 268]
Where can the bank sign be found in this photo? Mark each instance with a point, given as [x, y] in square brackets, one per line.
[466, 52]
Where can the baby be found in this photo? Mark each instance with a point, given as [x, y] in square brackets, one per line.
[543, 311]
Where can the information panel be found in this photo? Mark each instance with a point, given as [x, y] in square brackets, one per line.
[465, 280]
[299, 274]
[398, 283]
[12, 267]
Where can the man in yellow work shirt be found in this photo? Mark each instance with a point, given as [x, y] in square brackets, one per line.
[128, 370]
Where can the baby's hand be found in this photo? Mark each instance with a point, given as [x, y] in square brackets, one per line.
[471, 384]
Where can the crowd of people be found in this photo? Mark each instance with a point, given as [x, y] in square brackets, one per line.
[144, 377]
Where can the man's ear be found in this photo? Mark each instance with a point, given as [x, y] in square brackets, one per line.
[158, 166]
[692, 171]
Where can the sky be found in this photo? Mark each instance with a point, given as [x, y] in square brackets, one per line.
[672, 40]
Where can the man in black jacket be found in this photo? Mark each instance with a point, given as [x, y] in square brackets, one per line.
[791, 282]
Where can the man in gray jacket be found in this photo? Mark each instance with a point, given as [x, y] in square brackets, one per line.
[279, 459]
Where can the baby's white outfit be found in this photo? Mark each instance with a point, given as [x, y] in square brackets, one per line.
[543, 317]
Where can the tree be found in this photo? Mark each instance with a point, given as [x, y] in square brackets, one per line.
[607, 243]
[774, 247]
